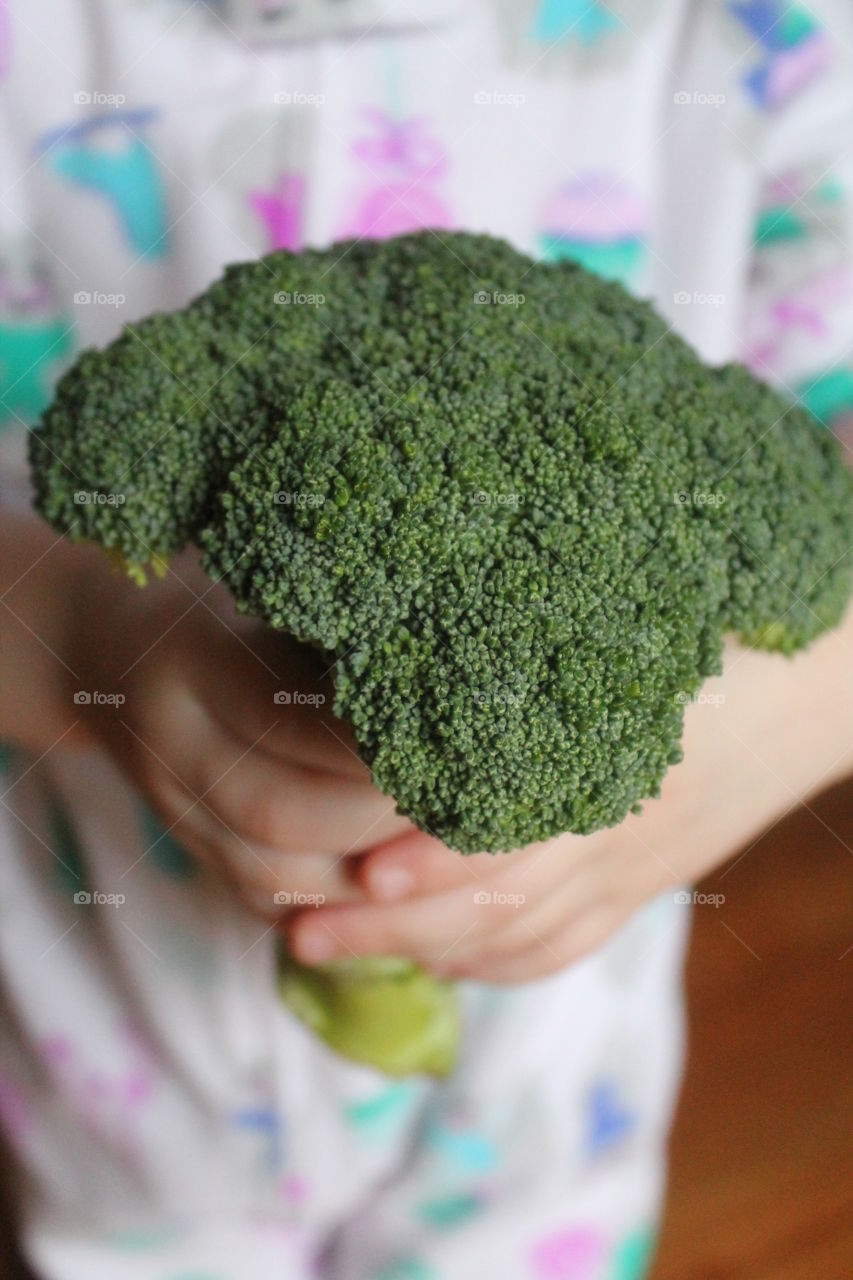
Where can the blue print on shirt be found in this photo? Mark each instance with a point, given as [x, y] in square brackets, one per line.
[110, 156]
[609, 1120]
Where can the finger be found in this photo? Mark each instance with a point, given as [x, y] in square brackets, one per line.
[419, 864]
[275, 694]
[268, 879]
[448, 931]
[290, 720]
[290, 808]
[574, 943]
[271, 802]
[530, 928]
[425, 929]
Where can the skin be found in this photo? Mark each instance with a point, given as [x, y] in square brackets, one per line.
[272, 797]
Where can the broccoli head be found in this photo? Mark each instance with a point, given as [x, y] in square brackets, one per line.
[515, 513]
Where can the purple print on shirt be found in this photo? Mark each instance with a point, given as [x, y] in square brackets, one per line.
[279, 208]
[401, 167]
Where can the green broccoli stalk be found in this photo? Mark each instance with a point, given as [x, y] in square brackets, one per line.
[380, 1009]
[514, 511]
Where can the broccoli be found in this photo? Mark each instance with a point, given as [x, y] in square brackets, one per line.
[515, 513]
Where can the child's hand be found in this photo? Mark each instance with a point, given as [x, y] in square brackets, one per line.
[765, 736]
[226, 729]
[494, 917]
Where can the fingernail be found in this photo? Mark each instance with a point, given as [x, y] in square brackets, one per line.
[316, 945]
[390, 883]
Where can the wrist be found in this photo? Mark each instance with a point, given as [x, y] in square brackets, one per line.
[768, 734]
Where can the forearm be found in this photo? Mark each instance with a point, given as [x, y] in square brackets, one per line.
[767, 735]
[45, 585]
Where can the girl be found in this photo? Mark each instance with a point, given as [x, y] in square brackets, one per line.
[169, 1118]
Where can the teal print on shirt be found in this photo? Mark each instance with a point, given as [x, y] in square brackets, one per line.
[407, 1267]
[163, 851]
[584, 20]
[197, 1275]
[795, 208]
[30, 350]
[598, 222]
[634, 1255]
[448, 1211]
[381, 1115]
[829, 395]
[109, 155]
[140, 1239]
[464, 1149]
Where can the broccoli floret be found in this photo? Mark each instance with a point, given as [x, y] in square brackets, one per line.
[514, 511]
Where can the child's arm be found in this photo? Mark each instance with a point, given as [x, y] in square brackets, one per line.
[42, 591]
[182, 694]
[768, 734]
